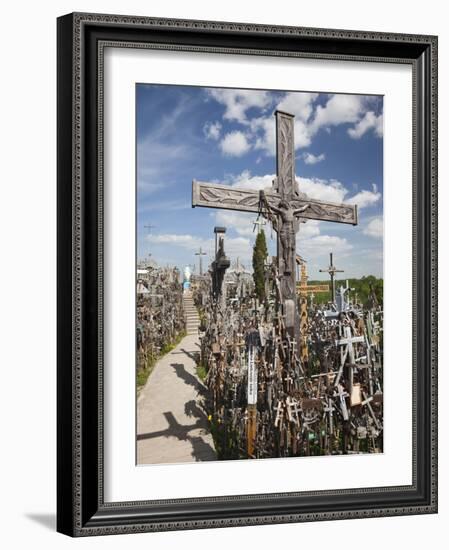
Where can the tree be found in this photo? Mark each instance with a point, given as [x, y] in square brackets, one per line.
[260, 253]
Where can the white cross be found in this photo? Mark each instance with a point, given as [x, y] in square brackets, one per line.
[342, 396]
[259, 223]
[349, 342]
[279, 414]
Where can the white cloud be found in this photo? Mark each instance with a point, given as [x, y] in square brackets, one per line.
[303, 136]
[241, 222]
[323, 190]
[237, 102]
[264, 128]
[246, 181]
[263, 131]
[234, 246]
[238, 247]
[339, 109]
[309, 229]
[310, 158]
[375, 228]
[298, 104]
[212, 130]
[368, 122]
[186, 241]
[234, 144]
[366, 198]
[309, 117]
[344, 109]
[320, 245]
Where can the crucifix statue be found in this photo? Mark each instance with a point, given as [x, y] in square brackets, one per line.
[285, 206]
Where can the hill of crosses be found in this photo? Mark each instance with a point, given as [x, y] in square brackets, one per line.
[280, 367]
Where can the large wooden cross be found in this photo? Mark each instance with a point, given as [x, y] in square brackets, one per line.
[284, 204]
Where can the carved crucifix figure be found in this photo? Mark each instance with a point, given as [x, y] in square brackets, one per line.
[285, 205]
[286, 228]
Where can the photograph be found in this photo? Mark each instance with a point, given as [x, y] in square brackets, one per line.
[247, 288]
[259, 273]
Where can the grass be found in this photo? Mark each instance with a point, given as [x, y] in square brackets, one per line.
[225, 440]
[201, 372]
[143, 374]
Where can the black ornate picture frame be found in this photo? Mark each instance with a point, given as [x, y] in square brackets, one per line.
[81, 509]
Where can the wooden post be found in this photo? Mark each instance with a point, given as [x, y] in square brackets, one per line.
[251, 429]
[252, 392]
[303, 291]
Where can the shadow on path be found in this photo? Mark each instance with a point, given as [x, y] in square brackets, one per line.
[200, 449]
[188, 378]
[184, 426]
[194, 355]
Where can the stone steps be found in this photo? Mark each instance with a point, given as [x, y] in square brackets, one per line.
[190, 314]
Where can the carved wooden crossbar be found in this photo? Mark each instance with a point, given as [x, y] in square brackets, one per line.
[312, 288]
[214, 195]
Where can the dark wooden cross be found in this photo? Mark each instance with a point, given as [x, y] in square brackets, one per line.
[200, 253]
[284, 205]
[332, 270]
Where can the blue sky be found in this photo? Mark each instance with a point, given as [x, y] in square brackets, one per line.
[228, 136]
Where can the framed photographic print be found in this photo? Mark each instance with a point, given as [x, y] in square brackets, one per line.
[247, 288]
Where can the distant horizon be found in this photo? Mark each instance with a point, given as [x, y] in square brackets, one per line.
[249, 267]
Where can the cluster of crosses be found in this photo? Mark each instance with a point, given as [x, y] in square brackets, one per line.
[278, 372]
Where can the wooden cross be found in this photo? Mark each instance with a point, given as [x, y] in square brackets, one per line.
[200, 253]
[303, 291]
[332, 270]
[329, 408]
[284, 204]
